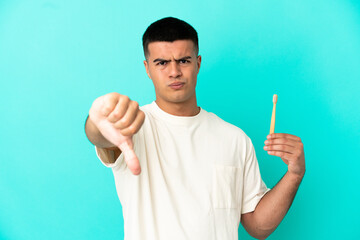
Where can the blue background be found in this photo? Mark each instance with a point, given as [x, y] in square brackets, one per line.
[56, 57]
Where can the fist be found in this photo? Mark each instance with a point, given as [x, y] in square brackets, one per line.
[118, 118]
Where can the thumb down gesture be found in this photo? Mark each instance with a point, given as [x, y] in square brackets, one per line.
[118, 118]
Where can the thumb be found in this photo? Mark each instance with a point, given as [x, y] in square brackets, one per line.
[130, 157]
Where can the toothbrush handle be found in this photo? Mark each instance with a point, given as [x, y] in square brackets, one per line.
[272, 125]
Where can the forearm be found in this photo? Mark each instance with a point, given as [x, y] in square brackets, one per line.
[95, 136]
[273, 207]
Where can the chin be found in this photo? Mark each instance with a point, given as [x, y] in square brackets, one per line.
[179, 99]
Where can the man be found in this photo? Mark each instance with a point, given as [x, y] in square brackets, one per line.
[180, 171]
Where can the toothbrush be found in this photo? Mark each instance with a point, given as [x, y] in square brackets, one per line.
[272, 125]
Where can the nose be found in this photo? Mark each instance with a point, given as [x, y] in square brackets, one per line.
[175, 70]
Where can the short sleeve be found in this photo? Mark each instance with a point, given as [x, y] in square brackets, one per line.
[254, 187]
[107, 158]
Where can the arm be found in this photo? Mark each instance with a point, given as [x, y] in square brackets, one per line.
[273, 207]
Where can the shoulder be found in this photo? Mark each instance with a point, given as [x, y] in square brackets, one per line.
[225, 126]
[229, 136]
[229, 131]
[145, 108]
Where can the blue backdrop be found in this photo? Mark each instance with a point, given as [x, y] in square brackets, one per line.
[56, 57]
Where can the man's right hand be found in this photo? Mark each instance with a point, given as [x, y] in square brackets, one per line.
[118, 118]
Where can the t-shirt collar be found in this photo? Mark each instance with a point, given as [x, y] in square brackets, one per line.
[181, 120]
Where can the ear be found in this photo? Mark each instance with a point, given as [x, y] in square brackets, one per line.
[198, 62]
[147, 68]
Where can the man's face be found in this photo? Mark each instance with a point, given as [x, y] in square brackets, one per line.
[173, 68]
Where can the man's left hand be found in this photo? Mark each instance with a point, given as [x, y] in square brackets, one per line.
[290, 149]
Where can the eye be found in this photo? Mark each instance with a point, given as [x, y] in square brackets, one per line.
[161, 63]
[183, 61]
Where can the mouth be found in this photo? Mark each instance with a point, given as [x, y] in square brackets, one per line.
[177, 85]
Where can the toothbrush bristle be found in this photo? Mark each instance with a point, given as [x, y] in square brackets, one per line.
[275, 97]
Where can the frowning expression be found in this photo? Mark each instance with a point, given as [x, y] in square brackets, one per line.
[173, 68]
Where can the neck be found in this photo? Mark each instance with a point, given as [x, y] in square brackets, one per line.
[186, 109]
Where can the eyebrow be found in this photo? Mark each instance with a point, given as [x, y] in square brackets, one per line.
[163, 60]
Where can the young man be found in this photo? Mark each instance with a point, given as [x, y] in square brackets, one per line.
[182, 172]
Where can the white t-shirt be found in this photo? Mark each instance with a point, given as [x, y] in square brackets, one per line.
[198, 175]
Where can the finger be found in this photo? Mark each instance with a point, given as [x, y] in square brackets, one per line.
[281, 148]
[135, 126]
[130, 157]
[284, 135]
[284, 141]
[132, 161]
[120, 109]
[129, 116]
[109, 103]
[283, 155]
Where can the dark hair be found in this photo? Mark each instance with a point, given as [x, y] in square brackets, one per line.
[169, 29]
